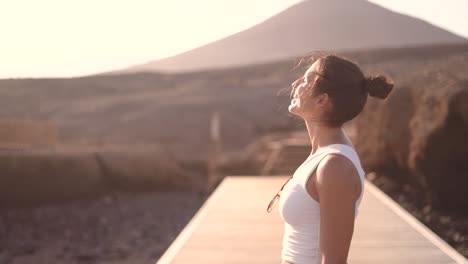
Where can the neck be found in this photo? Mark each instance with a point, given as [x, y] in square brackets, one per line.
[321, 135]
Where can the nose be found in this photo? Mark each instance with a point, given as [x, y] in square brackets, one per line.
[296, 83]
[294, 93]
[297, 90]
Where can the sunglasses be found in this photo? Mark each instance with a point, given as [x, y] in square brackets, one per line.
[276, 198]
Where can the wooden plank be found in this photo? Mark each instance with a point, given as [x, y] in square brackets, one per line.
[234, 227]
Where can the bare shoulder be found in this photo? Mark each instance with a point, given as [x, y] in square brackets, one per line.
[337, 174]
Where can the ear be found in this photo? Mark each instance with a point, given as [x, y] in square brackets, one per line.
[322, 99]
[324, 102]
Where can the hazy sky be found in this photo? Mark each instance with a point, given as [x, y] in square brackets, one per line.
[71, 38]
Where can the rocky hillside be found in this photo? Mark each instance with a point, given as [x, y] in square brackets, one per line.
[420, 129]
[174, 110]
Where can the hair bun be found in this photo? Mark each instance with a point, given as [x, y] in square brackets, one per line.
[378, 86]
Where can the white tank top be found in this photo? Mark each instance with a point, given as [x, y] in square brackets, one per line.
[301, 213]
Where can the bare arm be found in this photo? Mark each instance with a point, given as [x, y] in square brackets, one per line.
[338, 187]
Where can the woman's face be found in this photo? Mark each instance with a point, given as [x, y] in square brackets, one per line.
[302, 103]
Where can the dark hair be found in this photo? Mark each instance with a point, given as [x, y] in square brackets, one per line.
[347, 87]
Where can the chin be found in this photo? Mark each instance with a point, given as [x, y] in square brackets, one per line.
[293, 110]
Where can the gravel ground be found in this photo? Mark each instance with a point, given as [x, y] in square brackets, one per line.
[117, 228]
[138, 227]
[451, 227]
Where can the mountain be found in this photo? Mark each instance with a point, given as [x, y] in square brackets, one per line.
[307, 26]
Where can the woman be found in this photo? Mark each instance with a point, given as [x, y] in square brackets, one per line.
[320, 202]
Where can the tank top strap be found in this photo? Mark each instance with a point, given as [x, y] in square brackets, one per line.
[341, 149]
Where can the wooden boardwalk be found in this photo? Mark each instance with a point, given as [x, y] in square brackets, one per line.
[234, 227]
